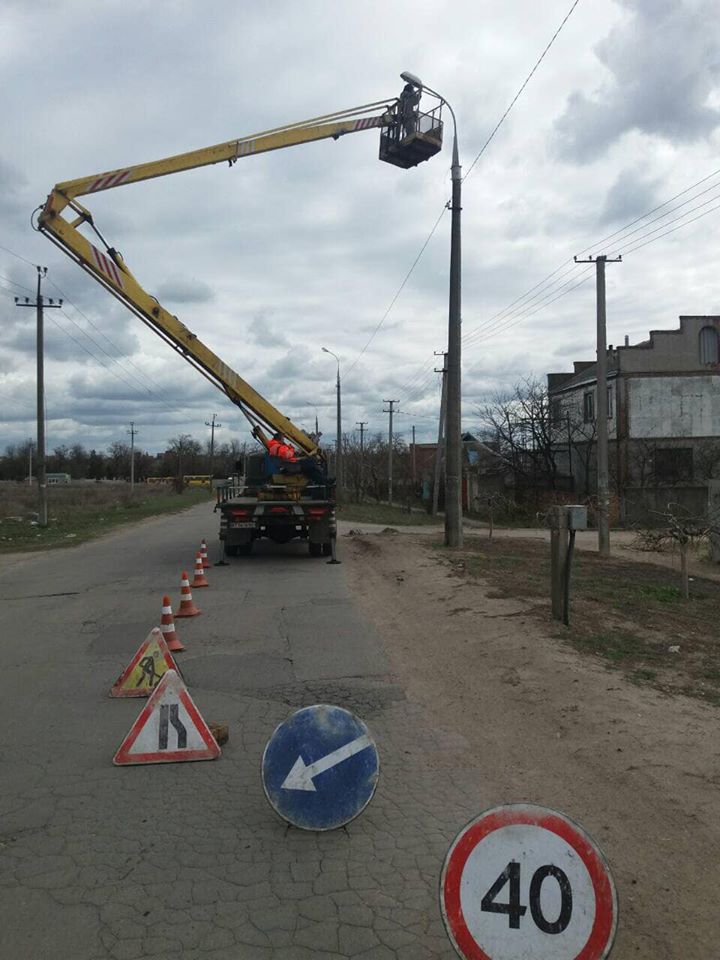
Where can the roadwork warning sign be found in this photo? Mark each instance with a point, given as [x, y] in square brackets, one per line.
[146, 669]
[523, 882]
[169, 729]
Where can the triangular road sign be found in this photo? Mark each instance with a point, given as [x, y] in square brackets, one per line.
[146, 668]
[169, 728]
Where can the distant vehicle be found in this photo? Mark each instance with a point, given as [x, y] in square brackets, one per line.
[155, 481]
[56, 479]
[198, 480]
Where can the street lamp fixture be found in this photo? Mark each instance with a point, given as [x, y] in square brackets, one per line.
[338, 432]
[453, 442]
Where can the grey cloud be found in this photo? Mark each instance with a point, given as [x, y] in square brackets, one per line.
[185, 290]
[261, 333]
[630, 196]
[664, 64]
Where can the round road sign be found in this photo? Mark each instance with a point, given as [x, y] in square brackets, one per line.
[320, 768]
[522, 882]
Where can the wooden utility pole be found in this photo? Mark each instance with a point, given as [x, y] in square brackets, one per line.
[390, 410]
[40, 304]
[601, 407]
[441, 431]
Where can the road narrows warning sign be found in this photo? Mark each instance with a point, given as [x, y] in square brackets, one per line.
[146, 669]
[522, 882]
[169, 729]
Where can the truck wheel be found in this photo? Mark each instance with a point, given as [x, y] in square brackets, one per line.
[315, 549]
[327, 549]
[231, 551]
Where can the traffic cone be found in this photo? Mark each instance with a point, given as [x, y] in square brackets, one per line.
[204, 555]
[199, 580]
[187, 607]
[167, 625]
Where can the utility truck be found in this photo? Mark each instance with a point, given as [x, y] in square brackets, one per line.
[274, 497]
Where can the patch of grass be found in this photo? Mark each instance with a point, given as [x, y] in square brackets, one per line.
[642, 676]
[383, 514]
[660, 592]
[627, 613]
[617, 647]
[80, 513]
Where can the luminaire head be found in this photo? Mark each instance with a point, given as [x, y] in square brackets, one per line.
[411, 78]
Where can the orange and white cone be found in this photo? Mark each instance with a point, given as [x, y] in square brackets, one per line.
[167, 625]
[199, 580]
[203, 554]
[187, 607]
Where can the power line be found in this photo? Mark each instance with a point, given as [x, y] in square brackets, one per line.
[445, 207]
[15, 284]
[398, 291]
[17, 255]
[518, 94]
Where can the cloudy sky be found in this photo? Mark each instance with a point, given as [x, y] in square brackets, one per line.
[282, 254]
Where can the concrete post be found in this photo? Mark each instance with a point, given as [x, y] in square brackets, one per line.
[557, 520]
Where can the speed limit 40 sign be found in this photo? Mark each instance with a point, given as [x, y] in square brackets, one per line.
[522, 882]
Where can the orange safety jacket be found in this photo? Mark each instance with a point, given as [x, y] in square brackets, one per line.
[282, 450]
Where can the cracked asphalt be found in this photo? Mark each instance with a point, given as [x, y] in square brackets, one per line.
[188, 860]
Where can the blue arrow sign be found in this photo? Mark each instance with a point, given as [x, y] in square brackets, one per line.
[320, 768]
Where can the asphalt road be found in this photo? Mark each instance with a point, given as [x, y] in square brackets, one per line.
[188, 860]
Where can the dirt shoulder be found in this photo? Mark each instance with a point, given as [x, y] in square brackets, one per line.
[552, 724]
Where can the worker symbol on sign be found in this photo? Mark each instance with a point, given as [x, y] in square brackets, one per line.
[147, 672]
[523, 881]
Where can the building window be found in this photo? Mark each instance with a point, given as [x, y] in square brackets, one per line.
[709, 347]
[588, 408]
[610, 403]
[673, 465]
[555, 411]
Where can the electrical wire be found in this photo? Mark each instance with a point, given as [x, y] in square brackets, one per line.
[524, 84]
[472, 165]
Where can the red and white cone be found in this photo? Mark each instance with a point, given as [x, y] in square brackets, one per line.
[204, 555]
[167, 625]
[199, 580]
[187, 607]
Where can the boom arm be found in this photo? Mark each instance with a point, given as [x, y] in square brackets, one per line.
[110, 269]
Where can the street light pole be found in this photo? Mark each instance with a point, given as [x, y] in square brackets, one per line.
[338, 429]
[453, 441]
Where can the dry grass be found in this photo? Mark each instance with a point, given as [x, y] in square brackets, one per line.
[631, 615]
[81, 511]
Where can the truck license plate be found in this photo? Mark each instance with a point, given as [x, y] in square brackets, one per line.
[242, 526]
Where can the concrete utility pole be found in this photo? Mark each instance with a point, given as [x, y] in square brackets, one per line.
[414, 463]
[453, 461]
[213, 427]
[603, 483]
[39, 305]
[441, 432]
[338, 429]
[133, 433]
[362, 424]
[390, 410]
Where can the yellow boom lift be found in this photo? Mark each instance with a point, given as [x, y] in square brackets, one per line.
[407, 138]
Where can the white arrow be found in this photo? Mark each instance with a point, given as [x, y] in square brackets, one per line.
[302, 774]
